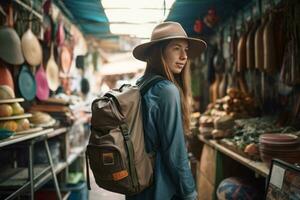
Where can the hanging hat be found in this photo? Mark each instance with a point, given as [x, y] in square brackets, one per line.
[32, 50]
[166, 31]
[10, 48]
[42, 87]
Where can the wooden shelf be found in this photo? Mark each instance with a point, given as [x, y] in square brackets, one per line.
[257, 166]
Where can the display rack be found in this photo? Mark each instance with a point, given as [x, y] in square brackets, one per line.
[20, 180]
[257, 166]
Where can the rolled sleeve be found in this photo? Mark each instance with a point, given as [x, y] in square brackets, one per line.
[173, 149]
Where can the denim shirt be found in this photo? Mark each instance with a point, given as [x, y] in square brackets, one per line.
[164, 135]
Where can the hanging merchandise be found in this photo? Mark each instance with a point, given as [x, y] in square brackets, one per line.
[10, 48]
[259, 45]
[26, 83]
[42, 89]
[6, 77]
[250, 45]
[241, 52]
[60, 33]
[250, 56]
[31, 47]
[198, 26]
[47, 6]
[65, 58]
[47, 26]
[269, 46]
[52, 72]
[211, 19]
[242, 59]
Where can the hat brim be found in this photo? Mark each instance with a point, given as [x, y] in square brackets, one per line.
[196, 46]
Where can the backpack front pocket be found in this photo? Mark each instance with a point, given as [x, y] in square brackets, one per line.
[109, 167]
[105, 160]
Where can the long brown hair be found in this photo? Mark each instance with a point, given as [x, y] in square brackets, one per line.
[156, 64]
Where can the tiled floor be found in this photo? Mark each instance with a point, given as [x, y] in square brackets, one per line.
[97, 193]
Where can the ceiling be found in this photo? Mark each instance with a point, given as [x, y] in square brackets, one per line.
[90, 17]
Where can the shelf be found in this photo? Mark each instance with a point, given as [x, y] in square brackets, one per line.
[20, 138]
[29, 131]
[258, 167]
[75, 152]
[57, 168]
[19, 176]
[57, 132]
[15, 100]
[14, 117]
[16, 182]
[13, 178]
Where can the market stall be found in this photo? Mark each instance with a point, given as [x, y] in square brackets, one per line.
[246, 96]
[43, 116]
[249, 99]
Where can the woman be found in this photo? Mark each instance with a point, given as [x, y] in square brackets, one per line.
[166, 110]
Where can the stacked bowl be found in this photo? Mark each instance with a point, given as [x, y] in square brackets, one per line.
[285, 147]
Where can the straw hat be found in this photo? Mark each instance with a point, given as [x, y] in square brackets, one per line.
[166, 31]
[10, 48]
[31, 48]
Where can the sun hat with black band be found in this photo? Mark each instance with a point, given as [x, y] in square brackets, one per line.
[166, 31]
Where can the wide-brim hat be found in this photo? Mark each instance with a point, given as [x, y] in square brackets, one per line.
[166, 31]
[10, 48]
[31, 48]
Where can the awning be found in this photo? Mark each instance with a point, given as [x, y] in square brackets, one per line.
[187, 11]
[89, 15]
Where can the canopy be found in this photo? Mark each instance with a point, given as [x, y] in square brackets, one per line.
[89, 15]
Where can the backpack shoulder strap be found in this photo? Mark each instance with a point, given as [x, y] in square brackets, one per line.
[144, 87]
[149, 82]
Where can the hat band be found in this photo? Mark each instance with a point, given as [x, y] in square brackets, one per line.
[169, 36]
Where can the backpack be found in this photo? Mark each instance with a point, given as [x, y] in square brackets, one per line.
[116, 149]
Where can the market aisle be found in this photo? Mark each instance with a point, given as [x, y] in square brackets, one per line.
[97, 193]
